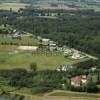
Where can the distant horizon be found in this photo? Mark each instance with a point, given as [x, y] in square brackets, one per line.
[23, 1]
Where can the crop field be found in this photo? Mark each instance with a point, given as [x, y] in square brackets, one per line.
[14, 6]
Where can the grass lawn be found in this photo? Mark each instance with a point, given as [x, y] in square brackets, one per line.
[23, 59]
[14, 6]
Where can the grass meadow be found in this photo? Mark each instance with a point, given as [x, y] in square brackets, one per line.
[22, 59]
[14, 6]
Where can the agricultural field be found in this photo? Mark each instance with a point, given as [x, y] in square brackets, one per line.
[14, 6]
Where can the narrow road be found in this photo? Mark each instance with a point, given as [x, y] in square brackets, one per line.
[86, 96]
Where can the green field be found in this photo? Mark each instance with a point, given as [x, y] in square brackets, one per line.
[14, 6]
[44, 60]
[23, 41]
[49, 6]
[11, 57]
[87, 7]
[54, 95]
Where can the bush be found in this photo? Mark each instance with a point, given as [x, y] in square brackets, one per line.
[41, 89]
[77, 89]
[33, 67]
[91, 87]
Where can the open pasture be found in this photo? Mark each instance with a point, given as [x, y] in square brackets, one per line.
[50, 6]
[10, 58]
[23, 41]
[14, 6]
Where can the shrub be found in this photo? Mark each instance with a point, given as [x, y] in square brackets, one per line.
[91, 87]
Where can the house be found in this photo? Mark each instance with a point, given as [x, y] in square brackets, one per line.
[84, 79]
[64, 67]
[79, 80]
[68, 52]
[76, 81]
[52, 46]
[59, 48]
[45, 41]
[17, 35]
[76, 55]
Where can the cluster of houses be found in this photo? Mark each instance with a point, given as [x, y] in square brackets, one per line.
[75, 54]
[51, 45]
[68, 52]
